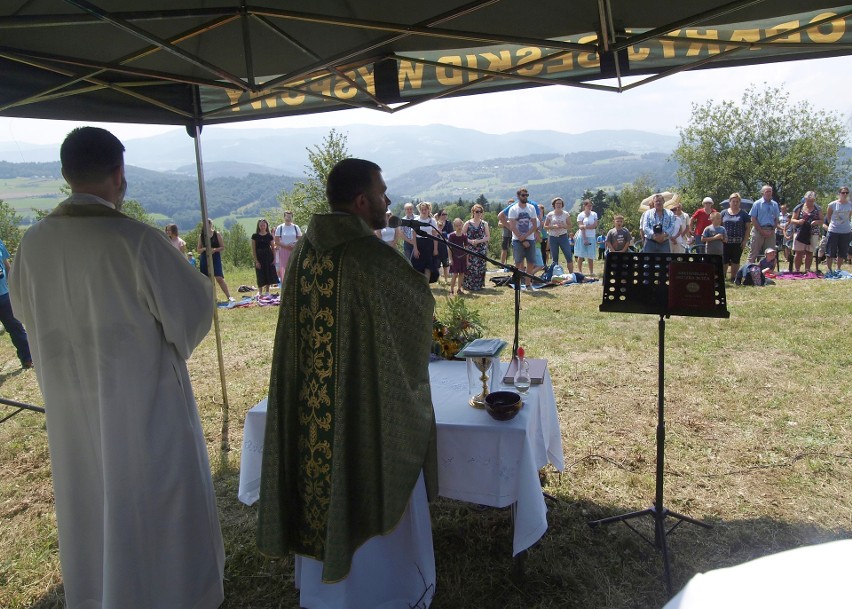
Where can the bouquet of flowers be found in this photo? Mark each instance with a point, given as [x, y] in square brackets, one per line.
[457, 328]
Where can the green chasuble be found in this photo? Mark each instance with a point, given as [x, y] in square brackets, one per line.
[349, 423]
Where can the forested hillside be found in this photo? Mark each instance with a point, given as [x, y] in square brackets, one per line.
[545, 175]
[176, 196]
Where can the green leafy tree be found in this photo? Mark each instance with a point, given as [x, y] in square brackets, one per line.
[765, 139]
[130, 207]
[598, 199]
[308, 198]
[626, 204]
[10, 231]
[237, 246]
[135, 210]
[484, 202]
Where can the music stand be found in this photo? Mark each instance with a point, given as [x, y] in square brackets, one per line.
[662, 284]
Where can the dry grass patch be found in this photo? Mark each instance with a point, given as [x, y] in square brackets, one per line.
[758, 430]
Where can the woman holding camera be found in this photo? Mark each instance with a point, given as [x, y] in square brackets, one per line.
[807, 217]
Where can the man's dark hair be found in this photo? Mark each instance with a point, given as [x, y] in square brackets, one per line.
[348, 179]
[90, 154]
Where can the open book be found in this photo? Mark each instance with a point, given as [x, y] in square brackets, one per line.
[537, 369]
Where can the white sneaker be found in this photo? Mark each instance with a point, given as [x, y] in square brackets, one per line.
[231, 299]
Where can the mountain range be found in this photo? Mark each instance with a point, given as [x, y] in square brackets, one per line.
[245, 168]
[397, 149]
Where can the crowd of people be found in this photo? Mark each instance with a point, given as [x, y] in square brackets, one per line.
[533, 236]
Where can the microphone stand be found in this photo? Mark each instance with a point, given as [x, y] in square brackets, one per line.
[516, 274]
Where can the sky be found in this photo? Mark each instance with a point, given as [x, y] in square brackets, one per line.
[660, 107]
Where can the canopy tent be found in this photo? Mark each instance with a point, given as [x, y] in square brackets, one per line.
[191, 62]
[197, 62]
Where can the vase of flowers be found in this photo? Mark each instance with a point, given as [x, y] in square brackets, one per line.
[455, 329]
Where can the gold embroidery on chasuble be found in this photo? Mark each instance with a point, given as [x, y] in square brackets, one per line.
[317, 304]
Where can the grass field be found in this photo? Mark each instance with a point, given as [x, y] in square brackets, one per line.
[759, 445]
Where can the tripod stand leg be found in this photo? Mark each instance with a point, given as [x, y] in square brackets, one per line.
[688, 519]
[662, 546]
[621, 517]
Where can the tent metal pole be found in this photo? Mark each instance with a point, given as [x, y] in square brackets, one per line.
[206, 236]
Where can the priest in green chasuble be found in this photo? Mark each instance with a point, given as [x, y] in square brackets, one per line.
[349, 454]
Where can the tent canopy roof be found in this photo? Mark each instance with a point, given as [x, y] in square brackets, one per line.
[214, 61]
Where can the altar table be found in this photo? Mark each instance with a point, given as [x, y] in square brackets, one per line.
[480, 460]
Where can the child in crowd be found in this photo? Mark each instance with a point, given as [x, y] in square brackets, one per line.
[715, 235]
[458, 260]
[178, 243]
[769, 261]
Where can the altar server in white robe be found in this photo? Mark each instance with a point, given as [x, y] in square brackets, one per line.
[113, 311]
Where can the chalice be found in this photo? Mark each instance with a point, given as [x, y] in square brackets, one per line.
[483, 364]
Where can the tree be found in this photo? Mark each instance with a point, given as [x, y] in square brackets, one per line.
[308, 198]
[481, 200]
[10, 232]
[598, 199]
[237, 246]
[627, 204]
[135, 210]
[729, 147]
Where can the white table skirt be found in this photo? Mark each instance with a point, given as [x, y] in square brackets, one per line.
[813, 577]
[480, 460]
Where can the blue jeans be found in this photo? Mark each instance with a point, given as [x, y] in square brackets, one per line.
[561, 243]
[15, 329]
[521, 253]
[652, 247]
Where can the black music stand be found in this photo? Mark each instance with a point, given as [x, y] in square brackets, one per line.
[641, 283]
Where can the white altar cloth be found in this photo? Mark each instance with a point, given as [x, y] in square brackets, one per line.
[816, 577]
[480, 460]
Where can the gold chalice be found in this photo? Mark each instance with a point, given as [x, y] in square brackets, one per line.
[483, 364]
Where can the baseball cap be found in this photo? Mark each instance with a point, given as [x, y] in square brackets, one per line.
[769, 249]
[707, 200]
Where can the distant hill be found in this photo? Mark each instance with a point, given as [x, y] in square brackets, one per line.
[397, 149]
[544, 175]
[175, 196]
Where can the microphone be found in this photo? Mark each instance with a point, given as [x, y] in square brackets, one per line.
[395, 221]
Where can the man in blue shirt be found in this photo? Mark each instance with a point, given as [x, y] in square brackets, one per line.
[658, 227]
[765, 215]
[7, 316]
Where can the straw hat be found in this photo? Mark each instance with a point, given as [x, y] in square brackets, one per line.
[669, 200]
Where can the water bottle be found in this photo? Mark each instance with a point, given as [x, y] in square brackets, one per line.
[522, 373]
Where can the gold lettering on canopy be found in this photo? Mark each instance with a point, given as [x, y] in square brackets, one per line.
[588, 60]
[529, 61]
[752, 35]
[637, 53]
[526, 55]
[837, 28]
[471, 63]
[449, 77]
[697, 48]
[562, 64]
[785, 27]
[343, 89]
[410, 72]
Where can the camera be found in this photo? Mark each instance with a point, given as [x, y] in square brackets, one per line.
[658, 228]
